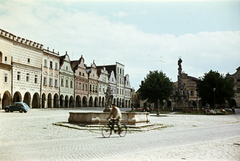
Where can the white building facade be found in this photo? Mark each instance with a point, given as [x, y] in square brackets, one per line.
[102, 85]
[66, 76]
[6, 46]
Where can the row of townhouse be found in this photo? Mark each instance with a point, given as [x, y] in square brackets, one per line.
[44, 79]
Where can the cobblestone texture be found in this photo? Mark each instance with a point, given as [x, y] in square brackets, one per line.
[32, 136]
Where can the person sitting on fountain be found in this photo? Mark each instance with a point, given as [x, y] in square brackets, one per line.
[116, 116]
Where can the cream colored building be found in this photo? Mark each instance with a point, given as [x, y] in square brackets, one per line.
[6, 47]
[102, 85]
[236, 76]
[50, 79]
[81, 82]
[26, 71]
[66, 76]
[93, 85]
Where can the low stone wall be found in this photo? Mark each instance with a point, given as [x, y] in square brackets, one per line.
[130, 118]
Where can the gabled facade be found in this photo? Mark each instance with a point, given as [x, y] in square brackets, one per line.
[81, 82]
[50, 79]
[236, 76]
[93, 85]
[43, 79]
[102, 85]
[6, 47]
[66, 82]
[113, 86]
[120, 89]
[26, 71]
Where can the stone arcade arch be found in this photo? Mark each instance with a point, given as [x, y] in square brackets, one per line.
[35, 101]
[55, 101]
[78, 101]
[103, 102]
[43, 100]
[17, 97]
[61, 101]
[96, 102]
[114, 101]
[117, 103]
[66, 101]
[84, 102]
[91, 102]
[71, 102]
[49, 101]
[100, 102]
[27, 99]
[6, 100]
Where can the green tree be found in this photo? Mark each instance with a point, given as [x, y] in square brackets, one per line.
[215, 88]
[156, 87]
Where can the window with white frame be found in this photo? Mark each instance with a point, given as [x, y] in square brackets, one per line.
[76, 85]
[45, 81]
[50, 82]
[18, 75]
[66, 83]
[6, 77]
[51, 65]
[45, 62]
[61, 82]
[36, 79]
[56, 66]
[56, 83]
[27, 77]
[80, 86]
[71, 84]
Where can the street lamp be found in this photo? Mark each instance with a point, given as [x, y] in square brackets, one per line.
[214, 89]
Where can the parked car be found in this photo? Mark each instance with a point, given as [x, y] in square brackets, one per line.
[17, 106]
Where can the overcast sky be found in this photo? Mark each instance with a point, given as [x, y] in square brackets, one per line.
[142, 35]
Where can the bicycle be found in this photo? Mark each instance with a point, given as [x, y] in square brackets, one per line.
[111, 126]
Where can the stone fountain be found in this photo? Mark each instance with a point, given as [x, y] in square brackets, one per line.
[99, 118]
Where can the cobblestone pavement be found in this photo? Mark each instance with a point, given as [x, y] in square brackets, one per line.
[32, 136]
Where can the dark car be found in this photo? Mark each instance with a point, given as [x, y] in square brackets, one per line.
[17, 106]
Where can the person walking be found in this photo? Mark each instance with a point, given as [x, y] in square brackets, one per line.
[116, 116]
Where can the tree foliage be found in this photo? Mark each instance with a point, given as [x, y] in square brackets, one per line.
[156, 86]
[224, 88]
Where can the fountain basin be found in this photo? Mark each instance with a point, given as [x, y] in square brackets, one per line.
[100, 118]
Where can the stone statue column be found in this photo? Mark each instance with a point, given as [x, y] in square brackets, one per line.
[109, 97]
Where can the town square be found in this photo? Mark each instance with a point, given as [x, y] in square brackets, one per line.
[119, 80]
[33, 136]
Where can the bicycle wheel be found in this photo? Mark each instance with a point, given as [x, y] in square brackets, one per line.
[106, 131]
[123, 131]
